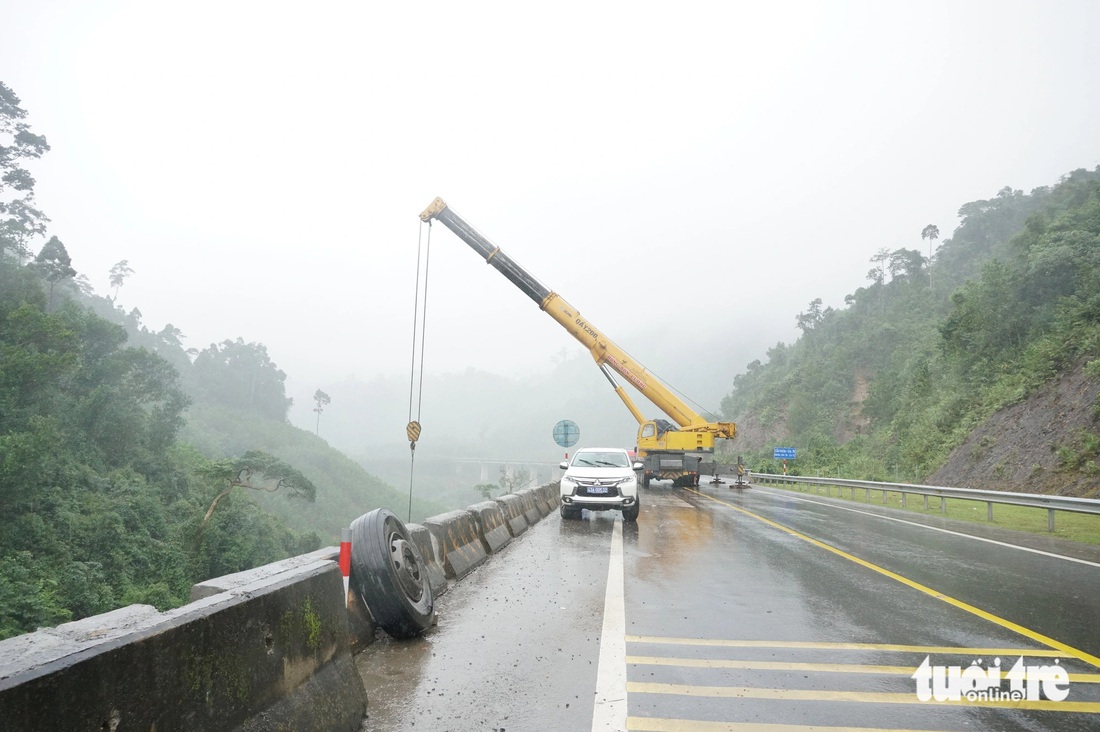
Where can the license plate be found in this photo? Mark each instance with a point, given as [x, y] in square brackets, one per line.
[597, 489]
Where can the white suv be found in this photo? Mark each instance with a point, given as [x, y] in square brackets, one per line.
[600, 479]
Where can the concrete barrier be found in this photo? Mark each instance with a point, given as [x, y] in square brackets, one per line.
[264, 650]
[539, 497]
[513, 510]
[271, 654]
[553, 494]
[428, 547]
[491, 526]
[459, 542]
[531, 510]
[228, 582]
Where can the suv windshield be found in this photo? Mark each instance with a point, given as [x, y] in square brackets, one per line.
[602, 459]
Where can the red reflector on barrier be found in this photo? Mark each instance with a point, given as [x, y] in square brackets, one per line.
[345, 552]
[345, 559]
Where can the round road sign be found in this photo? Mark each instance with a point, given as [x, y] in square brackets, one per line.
[566, 433]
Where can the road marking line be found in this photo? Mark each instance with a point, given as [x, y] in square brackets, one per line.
[932, 528]
[841, 668]
[656, 724]
[830, 646]
[872, 697]
[609, 712]
[847, 668]
[1007, 624]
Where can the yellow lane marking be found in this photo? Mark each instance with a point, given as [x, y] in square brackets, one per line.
[875, 697]
[1007, 624]
[656, 724]
[823, 645]
[840, 668]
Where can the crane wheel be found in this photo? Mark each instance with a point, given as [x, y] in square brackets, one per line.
[389, 574]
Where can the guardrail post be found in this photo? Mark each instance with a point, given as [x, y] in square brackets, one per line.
[867, 494]
[943, 504]
[925, 501]
[989, 511]
[1050, 520]
[903, 494]
[884, 498]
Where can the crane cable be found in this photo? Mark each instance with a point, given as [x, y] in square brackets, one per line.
[416, 386]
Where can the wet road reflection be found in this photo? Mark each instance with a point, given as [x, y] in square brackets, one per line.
[743, 610]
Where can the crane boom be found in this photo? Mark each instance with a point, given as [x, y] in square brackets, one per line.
[695, 432]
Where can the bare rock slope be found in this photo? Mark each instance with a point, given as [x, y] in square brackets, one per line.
[1039, 445]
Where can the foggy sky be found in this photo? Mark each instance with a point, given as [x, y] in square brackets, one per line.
[689, 175]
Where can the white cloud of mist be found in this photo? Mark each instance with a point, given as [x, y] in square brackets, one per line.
[696, 169]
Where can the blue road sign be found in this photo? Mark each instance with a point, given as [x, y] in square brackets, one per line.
[566, 433]
[783, 453]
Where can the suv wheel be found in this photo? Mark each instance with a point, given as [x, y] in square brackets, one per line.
[630, 513]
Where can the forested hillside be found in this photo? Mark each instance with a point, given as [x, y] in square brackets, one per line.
[130, 467]
[891, 385]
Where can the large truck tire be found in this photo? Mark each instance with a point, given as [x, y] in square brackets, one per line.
[389, 574]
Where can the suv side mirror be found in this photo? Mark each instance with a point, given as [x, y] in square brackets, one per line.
[563, 465]
[639, 466]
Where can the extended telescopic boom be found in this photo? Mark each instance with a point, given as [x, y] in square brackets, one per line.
[701, 433]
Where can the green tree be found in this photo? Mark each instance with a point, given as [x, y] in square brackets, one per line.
[810, 319]
[320, 400]
[486, 490]
[119, 273]
[258, 471]
[242, 375]
[54, 263]
[511, 481]
[931, 233]
[21, 221]
[905, 263]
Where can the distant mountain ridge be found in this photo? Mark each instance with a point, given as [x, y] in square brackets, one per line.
[931, 364]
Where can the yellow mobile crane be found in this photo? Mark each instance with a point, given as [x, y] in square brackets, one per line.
[668, 451]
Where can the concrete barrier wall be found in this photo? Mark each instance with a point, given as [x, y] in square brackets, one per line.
[514, 512]
[459, 541]
[272, 654]
[490, 525]
[268, 649]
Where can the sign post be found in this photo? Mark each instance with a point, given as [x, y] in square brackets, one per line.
[784, 454]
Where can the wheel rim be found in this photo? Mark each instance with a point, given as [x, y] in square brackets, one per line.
[406, 568]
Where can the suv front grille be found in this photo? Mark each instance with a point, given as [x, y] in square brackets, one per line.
[597, 488]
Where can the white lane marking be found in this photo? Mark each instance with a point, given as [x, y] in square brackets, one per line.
[609, 713]
[934, 528]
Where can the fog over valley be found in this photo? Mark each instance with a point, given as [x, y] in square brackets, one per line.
[690, 177]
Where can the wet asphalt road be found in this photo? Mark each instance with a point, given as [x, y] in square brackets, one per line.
[758, 609]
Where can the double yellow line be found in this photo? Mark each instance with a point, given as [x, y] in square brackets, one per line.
[1007, 624]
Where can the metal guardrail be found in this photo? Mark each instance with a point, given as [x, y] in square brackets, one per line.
[1032, 500]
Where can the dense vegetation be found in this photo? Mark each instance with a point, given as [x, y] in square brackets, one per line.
[130, 467]
[887, 386]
